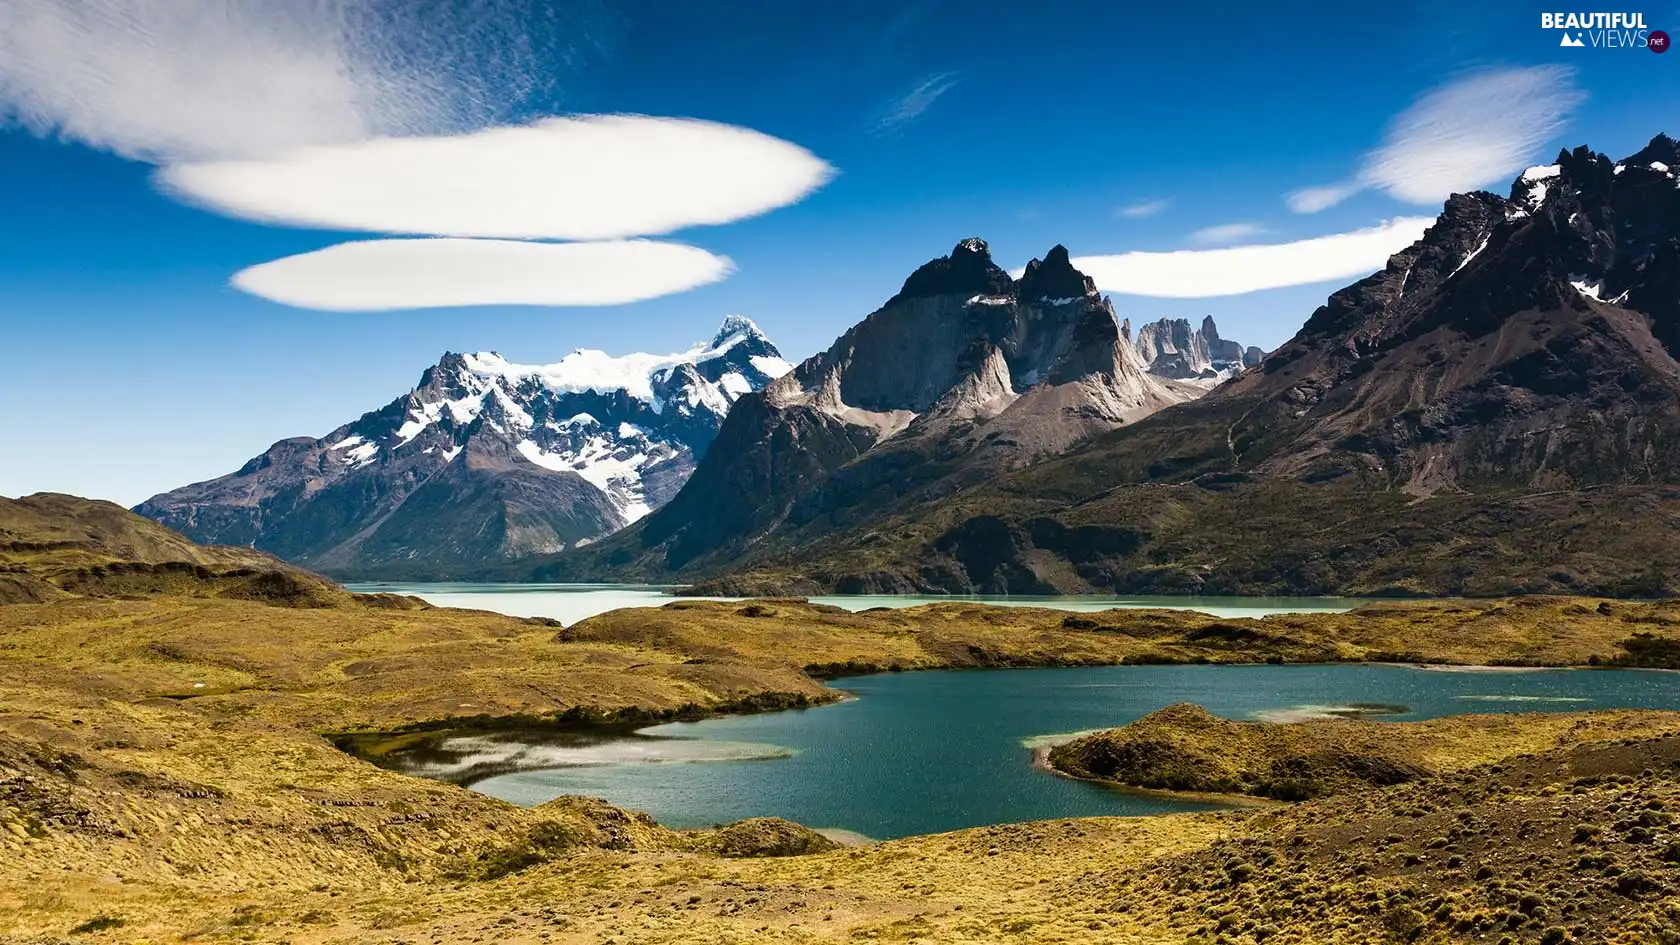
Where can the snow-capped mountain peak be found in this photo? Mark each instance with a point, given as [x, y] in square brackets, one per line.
[608, 438]
[613, 420]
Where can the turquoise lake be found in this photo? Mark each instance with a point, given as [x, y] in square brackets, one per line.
[569, 603]
[926, 752]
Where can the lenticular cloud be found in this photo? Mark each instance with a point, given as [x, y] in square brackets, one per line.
[581, 178]
[406, 118]
[376, 275]
[1242, 269]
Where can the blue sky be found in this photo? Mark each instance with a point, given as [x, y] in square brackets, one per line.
[135, 367]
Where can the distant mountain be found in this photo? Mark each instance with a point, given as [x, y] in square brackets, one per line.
[483, 460]
[1171, 348]
[1496, 411]
[963, 373]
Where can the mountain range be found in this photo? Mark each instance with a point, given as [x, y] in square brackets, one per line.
[482, 461]
[964, 374]
[1171, 348]
[1495, 411]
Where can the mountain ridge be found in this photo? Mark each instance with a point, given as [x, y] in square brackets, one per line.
[1495, 411]
[483, 460]
[963, 372]
[1171, 348]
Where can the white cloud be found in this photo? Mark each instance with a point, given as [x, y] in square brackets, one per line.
[1473, 132]
[912, 104]
[169, 80]
[1143, 208]
[1241, 269]
[1470, 133]
[1314, 199]
[1226, 233]
[589, 177]
[374, 275]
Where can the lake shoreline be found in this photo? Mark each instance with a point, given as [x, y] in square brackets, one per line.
[341, 837]
[687, 788]
[1041, 762]
[585, 720]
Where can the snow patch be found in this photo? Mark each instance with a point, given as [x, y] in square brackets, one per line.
[363, 454]
[1538, 187]
[615, 471]
[1473, 254]
[735, 384]
[1591, 290]
[345, 443]
[770, 367]
[512, 409]
[990, 300]
[1658, 166]
[589, 369]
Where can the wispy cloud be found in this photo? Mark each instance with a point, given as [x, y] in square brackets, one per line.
[1314, 199]
[1241, 269]
[911, 105]
[374, 275]
[1466, 134]
[1143, 208]
[1226, 233]
[167, 80]
[590, 177]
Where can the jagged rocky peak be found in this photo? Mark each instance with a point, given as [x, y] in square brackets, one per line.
[1170, 348]
[967, 270]
[1662, 150]
[1053, 279]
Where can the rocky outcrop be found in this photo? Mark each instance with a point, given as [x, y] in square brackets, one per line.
[484, 460]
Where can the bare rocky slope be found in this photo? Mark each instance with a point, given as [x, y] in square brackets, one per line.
[1494, 412]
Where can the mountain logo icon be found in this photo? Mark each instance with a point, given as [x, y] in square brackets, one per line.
[1571, 41]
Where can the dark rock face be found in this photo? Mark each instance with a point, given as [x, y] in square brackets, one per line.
[1523, 342]
[483, 461]
[969, 270]
[1054, 277]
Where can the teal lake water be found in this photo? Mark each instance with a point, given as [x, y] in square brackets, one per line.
[926, 752]
[569, 603]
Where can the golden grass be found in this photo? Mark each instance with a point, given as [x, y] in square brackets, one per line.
[1186, 748]
[162, 767]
